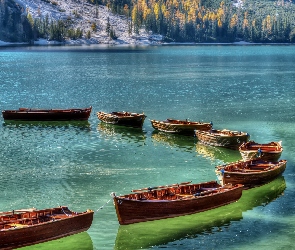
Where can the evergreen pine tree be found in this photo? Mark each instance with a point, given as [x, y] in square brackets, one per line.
[108, 28]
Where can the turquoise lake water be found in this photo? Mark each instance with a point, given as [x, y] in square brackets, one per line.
[78, 164]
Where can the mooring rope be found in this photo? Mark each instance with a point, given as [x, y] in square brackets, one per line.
[113, 195]
[64, 211]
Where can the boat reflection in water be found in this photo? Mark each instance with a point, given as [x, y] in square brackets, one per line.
[60, 124]
[174, 140]
[125, 133]
[80, 241]
[159, 232]
[217, 153]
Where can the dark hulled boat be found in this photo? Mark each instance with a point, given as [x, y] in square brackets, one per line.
[26, 114]
[184, 127]
[267, 151]
[173, 200]
[128, 119]
[222, 138]
[250, 173]
[175, 231]
[27, 227]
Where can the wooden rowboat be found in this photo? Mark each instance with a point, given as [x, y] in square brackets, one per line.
[222, 138]
[250, 173]
[128, 119]
[26, 114]
[269, 151]
[184, 127]
[171, 232]
[27, 227]
[173, 200]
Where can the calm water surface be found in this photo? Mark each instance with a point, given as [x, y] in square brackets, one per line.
[78, 164]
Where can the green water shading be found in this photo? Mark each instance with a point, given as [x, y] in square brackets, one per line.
[181, 142]
[47, 164]
[80, 241]
[217, 153]
[148, 234]
[125, 133]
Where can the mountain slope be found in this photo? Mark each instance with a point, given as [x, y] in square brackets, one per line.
[12, 24]
[89, 18]
[195, 21]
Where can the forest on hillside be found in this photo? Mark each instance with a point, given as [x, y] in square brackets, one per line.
[198, 21]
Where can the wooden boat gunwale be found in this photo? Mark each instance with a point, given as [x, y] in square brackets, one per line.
[32, 110]
[162, 203]
[267, 151]
[250, 173]
[180, 126]
[31, 114]
[26, 227]
[222, 138]
[122, 118]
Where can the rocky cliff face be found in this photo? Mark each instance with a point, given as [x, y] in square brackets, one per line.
[14, 27]
[92, 19]
[16, 15]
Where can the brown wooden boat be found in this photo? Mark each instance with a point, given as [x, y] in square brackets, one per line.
[184, 127]
[128, 119]
[156, 234]
[26, 114]
[250, 173]
[27, 227]
[268, 151]
[222, 138]
[173, 200]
